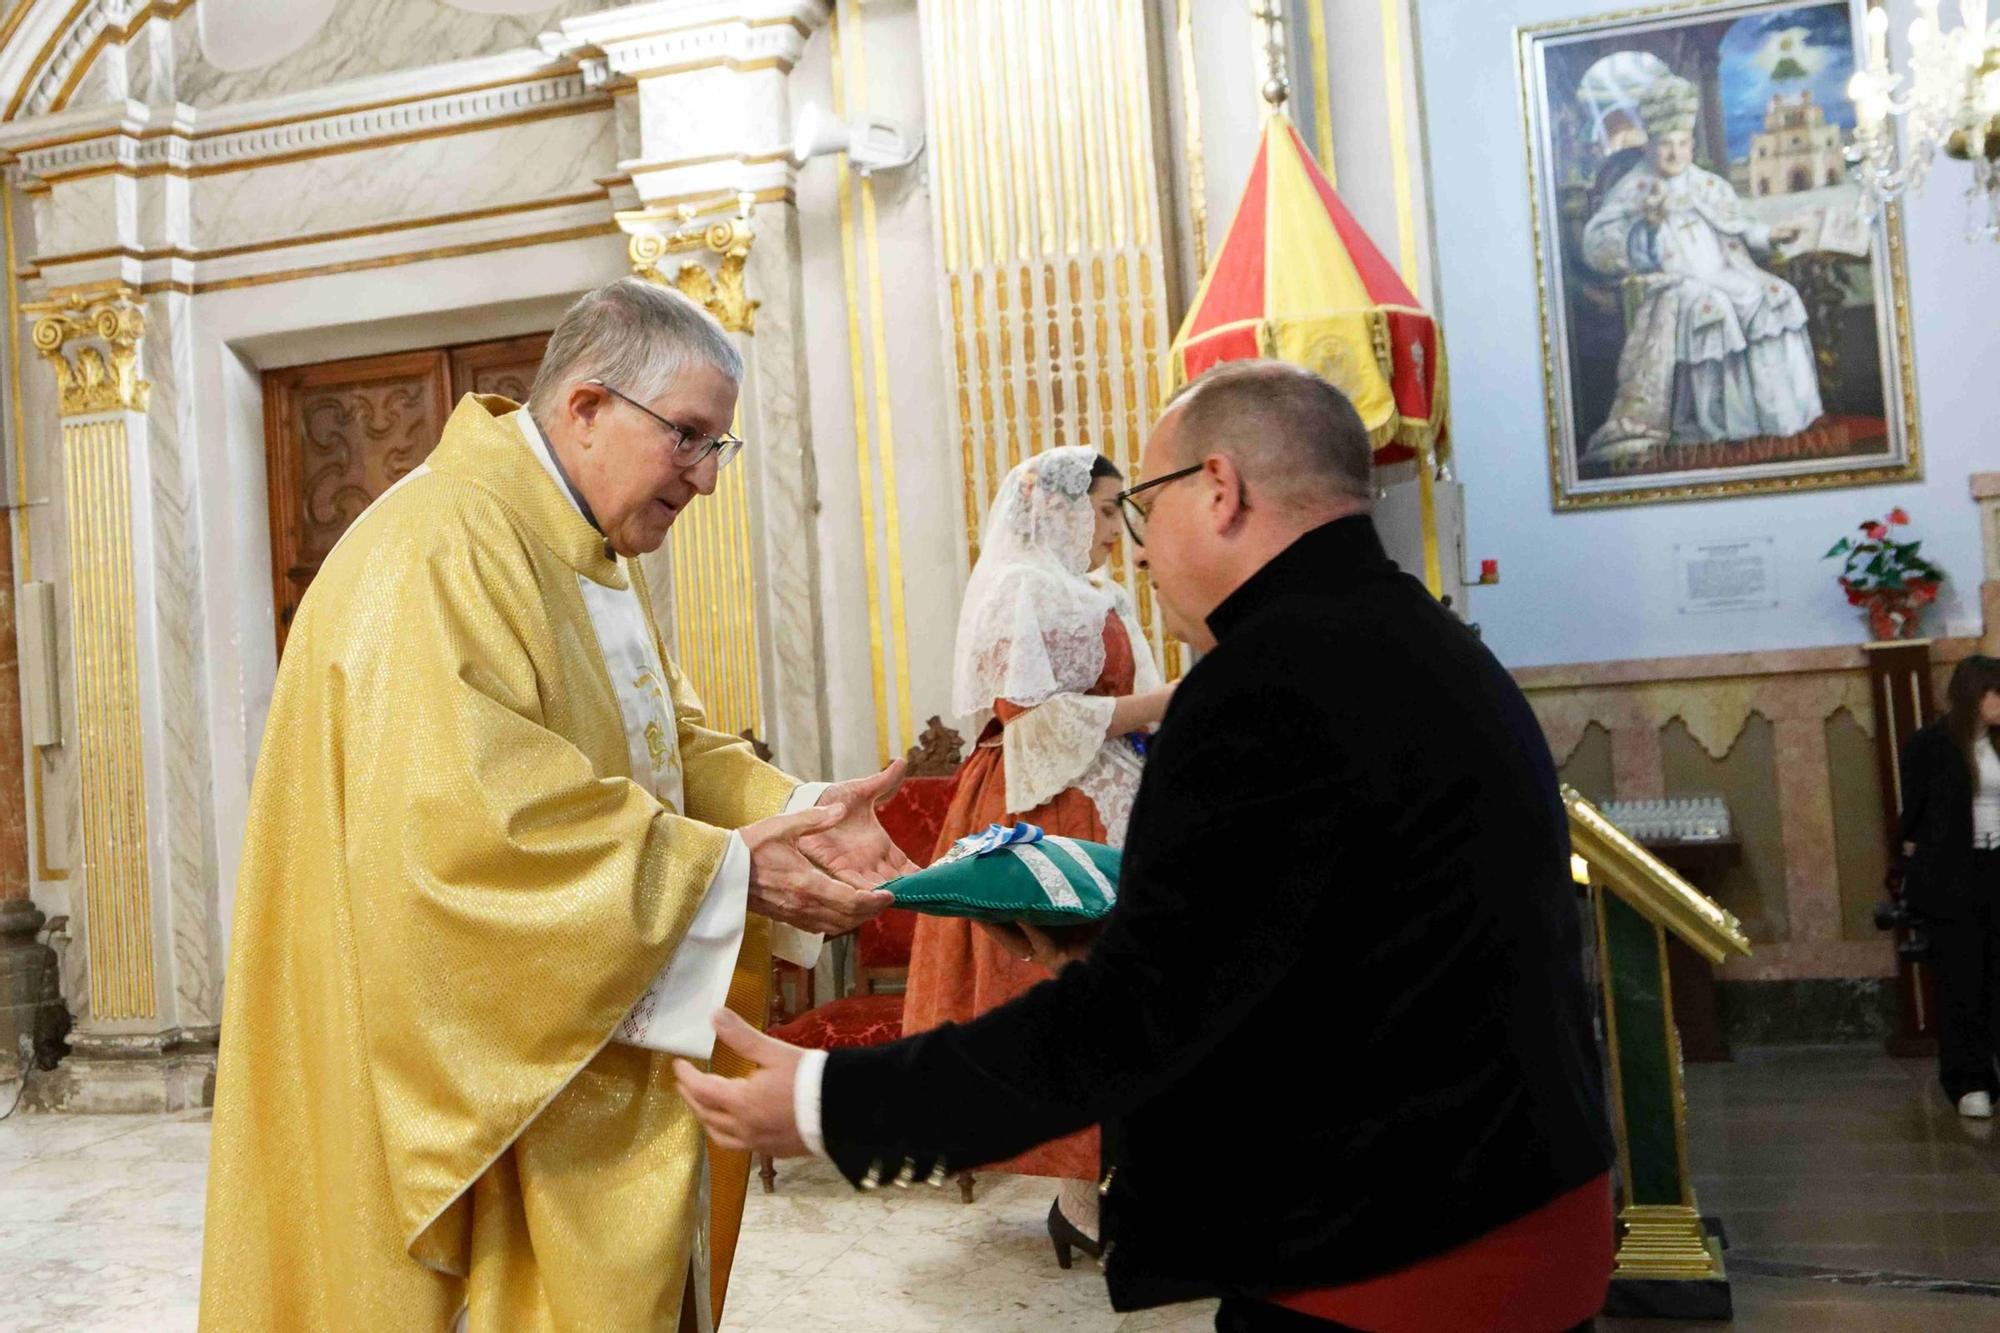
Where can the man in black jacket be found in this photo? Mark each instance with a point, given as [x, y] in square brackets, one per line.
[1337, 1028]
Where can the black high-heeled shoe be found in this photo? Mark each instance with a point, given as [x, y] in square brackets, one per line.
[1065, 1236]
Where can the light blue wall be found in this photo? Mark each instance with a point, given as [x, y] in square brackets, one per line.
[1582, 587]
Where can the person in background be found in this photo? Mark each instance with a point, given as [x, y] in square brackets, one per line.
[1055, 673]
[1951, 839]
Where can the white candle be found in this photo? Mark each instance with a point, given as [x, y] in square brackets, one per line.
[1924, 28]
[1878, 40]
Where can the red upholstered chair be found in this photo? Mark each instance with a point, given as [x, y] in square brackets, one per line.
[874, 1013]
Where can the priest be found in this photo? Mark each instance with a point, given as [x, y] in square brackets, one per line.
[497, 873]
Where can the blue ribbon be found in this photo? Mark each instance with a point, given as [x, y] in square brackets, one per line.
[992, 839]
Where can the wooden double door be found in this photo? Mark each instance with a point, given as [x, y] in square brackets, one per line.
[339, 433]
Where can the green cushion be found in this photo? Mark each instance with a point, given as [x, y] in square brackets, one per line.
[1016, 873]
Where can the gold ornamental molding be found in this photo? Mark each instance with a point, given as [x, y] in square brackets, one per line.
[92, 379]
[723, 293]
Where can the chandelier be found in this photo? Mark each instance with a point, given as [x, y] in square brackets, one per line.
[1951, 105]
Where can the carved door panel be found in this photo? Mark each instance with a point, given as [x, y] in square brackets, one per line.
[506, 367]
[339, 433]
[336, 436]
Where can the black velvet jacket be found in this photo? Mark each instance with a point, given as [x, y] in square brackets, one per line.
[1338, 1021]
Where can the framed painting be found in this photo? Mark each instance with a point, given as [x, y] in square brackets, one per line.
[1720, 315]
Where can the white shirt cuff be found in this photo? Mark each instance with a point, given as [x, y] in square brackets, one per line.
[789, 943]
[674, 1013]
[805, 1101]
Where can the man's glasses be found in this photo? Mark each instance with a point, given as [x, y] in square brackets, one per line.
[689, 447]
[1134, 513]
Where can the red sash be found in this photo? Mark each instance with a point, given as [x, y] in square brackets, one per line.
[1542, 1272]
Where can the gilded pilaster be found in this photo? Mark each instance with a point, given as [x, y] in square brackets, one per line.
[143, 961]
[92, 347]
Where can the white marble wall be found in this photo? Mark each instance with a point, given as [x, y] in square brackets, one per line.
[544, 159]
[787, 488]
[931, 572]
[363, 37]
[183, 811]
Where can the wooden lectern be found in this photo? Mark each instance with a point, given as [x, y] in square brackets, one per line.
[1668, 1266]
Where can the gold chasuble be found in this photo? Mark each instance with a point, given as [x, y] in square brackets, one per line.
[452, 894]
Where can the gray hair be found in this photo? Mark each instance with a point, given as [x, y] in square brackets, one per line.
[1293, 435]
[636, 336]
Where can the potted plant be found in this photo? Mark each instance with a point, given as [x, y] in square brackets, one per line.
[1890, 580]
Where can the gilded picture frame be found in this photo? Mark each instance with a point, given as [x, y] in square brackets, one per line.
[1718, 316]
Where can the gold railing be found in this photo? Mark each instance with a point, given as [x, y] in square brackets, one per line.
[1645, 882]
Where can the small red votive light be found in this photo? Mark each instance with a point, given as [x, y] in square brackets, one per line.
[1489, 571]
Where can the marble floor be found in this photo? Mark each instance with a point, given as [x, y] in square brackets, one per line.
[1853, 1198]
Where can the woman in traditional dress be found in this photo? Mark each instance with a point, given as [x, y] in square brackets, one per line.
[1054, 671]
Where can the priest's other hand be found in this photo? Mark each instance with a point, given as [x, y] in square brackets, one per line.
[786, 886]
[1051, 950]
[751, 1114]
[856, 849]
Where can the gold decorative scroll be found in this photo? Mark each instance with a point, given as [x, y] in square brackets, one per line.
[89, 378]
[1048, 201]
[118, 920]
[722, 293]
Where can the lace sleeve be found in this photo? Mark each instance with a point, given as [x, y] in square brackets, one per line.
[1048, 748]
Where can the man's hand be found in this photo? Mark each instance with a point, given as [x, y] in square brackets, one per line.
[1050, 951]
[855, 848]
[751, 1114]
[785, 886]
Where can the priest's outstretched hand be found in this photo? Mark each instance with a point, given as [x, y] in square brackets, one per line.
[856, 849]
[753, 1114]
[786, 886]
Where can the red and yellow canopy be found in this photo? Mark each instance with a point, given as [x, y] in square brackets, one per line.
[1297, 279]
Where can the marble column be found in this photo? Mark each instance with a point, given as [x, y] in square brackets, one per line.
[1805, 809]
[141, 892]
[704, 118]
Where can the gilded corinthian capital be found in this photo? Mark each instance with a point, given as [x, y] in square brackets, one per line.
[723, 293]
[92, 344]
